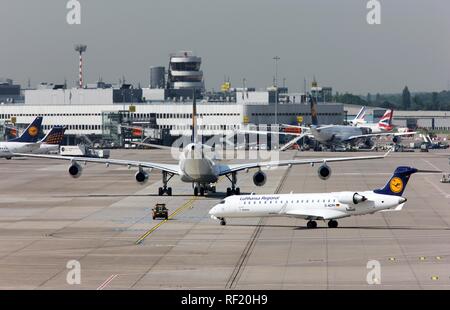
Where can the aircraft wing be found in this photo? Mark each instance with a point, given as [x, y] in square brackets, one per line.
[321, 214]
[384, 134]
[263, 132]
[226, 169]
[120, 162]
[156, 146]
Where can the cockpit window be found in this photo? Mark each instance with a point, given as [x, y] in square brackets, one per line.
[222, 202]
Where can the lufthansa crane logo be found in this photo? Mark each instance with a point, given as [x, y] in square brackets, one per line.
[33, 131]
[396, 185]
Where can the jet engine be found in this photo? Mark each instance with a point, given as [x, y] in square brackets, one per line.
[75, 170]
[259, 178]
[324, 172]
[351, 198]
[141, 177]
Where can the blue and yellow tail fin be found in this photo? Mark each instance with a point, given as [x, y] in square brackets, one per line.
[32, 132]
[397, 183]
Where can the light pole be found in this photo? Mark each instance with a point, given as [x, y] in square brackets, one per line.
[276, 58]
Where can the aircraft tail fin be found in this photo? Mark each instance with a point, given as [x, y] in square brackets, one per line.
[31, 133]
[360, 116]
[386, 121]
[54, 136]
[397, 182]
[314, 119]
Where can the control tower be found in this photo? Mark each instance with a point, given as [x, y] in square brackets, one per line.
[184, 72]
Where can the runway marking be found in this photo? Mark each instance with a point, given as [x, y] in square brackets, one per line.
[107, 281]
[151, 230]
[434, 167]
[438, 189]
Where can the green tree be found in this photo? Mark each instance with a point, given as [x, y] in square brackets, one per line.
[434, 101]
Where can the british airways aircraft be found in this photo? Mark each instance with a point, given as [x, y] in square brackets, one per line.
[384, 125]
[318, 206]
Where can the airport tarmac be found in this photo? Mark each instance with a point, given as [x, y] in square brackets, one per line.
[103, 221]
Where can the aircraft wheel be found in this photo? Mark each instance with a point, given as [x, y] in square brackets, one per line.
[237, 191]
[169, 191]
[229, 192]
[223, 222]
[333, 224]
[160, 191]
[196, 191]
[202, 191]
[311, 224]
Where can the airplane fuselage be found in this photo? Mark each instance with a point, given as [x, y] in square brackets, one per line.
[337, 134]
[303, 205]
[8, 148]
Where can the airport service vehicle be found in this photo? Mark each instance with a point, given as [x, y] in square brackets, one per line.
[445, 178]
[318, 206]
[27, 141]
[160, 211]
[198, 167]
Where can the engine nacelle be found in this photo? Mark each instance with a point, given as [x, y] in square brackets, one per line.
[351, 198]
[324, 172]
[141, 177]
[259, 178]
[75, 170]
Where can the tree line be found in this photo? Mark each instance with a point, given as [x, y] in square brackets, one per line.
[423, 101]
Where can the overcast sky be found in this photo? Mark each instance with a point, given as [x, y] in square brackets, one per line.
[237, 38]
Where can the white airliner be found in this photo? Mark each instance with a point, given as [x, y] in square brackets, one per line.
[49, 144]
[195, 166]
[27, 141]
[318, 206]
[384, 125]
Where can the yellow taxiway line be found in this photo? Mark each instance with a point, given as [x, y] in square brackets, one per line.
[189, 203]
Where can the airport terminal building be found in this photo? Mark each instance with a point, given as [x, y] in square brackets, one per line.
[164, 109]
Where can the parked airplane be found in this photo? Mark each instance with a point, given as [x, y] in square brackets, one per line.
[384, 125]
[359, 118]
[195, 166]
[338, 135]
[318, 206]
[25, 143]
[50, 143]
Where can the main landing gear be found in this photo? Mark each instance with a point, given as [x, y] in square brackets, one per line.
[311, 224]
[222, 221]
[233, 190]
[165, 190]
[332, 224]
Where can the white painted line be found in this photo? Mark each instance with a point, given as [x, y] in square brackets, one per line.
[107, 281]
[446, 195]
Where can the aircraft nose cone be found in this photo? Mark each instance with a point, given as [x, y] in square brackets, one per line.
[213, 210]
